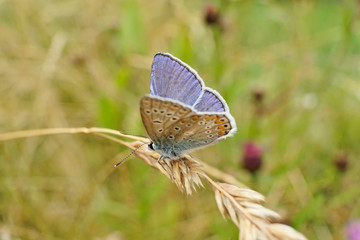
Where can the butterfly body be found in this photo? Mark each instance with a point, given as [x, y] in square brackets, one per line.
[181, 114]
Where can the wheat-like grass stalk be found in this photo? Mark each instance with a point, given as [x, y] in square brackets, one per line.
[241, 204]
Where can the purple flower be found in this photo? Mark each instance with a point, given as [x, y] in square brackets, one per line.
[341, 161]
[211, 15]
[353, 230]
[252, 157]
[258, 95]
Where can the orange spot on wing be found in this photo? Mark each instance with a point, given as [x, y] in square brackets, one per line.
[221, 127]
[218, 121]
[207, 117]
[195, 118]
[184, 121]
[213, 117]
[182, 112]
[173, 108]
[221, 133]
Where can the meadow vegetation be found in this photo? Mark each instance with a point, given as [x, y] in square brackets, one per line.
[289, 71]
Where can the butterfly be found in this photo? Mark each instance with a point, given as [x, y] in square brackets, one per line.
[180, 114]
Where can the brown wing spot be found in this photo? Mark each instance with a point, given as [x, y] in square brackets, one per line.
[195, 118]
[184, 120]
[221, 127]
[221, 133]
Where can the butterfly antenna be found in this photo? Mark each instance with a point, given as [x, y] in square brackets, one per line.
[133, 151]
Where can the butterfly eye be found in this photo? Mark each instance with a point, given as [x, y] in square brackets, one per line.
[151, 146]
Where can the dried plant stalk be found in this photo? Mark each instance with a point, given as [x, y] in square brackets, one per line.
[241, 205]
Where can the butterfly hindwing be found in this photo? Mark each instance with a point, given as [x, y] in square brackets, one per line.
[171, 124]
[201, 129]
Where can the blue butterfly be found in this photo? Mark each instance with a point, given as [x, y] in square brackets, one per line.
[181, 114]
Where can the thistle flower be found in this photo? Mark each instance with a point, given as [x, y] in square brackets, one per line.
[212, 16]
[353, 230]
[341, 161]
[258, 95]
[252, 157]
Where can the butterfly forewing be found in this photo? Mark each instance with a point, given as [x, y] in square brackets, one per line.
[171, 78]
[158, 115]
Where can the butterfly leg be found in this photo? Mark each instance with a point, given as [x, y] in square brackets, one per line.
[170, 169]
[159, 161]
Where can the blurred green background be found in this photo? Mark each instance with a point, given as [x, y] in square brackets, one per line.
[73, 63]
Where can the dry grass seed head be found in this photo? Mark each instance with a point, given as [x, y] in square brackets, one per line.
[185, 172]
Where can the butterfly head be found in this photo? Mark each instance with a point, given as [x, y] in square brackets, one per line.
[165, 151]
[151, 146]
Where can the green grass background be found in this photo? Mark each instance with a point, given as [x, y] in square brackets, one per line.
[75, 63]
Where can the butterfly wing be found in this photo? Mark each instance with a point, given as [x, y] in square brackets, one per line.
[171, 78]
[172, 125]
[201, 129]
[211, 101]
[158, 115]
